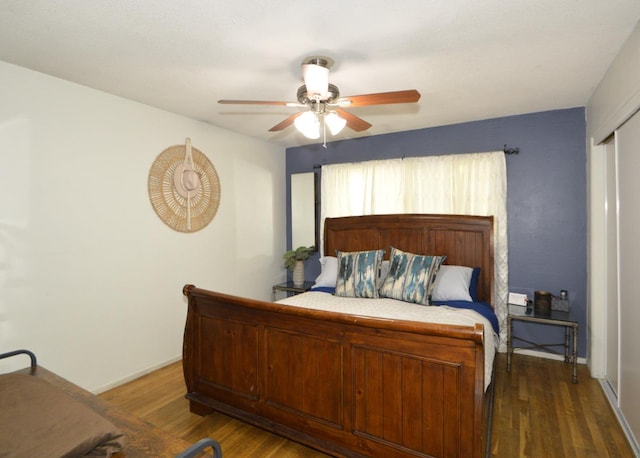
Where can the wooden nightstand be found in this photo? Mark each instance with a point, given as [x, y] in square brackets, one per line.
[289, 287]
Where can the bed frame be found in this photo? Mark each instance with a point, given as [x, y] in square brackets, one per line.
[350, 385]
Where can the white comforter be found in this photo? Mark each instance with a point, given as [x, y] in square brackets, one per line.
[398, 310]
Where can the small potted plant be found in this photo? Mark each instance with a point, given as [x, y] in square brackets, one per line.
[294, 261]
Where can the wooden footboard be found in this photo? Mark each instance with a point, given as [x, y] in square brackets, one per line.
[346, 385]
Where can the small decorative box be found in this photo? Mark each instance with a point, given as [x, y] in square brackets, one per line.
[559, 304]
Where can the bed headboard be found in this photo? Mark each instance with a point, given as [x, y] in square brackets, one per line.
[465, 240]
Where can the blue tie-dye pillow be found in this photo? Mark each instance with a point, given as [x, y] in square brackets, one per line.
[358, 273]
[411, 277]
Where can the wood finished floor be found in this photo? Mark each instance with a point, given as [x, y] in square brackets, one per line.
[538, 412]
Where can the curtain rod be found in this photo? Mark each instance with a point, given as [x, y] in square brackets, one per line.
[509, 151]
[512, 151]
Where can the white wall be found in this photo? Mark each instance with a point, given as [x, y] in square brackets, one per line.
[90, 277]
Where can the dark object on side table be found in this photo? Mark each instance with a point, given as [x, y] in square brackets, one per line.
[542, 302]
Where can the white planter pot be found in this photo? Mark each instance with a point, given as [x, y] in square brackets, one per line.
[298, 273]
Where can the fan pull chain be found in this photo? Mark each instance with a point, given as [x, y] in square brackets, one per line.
[324, 133]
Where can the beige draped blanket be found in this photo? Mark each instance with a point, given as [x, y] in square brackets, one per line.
[38, 419]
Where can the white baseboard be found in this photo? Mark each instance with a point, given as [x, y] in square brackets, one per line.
[136, 375]
[546, 355]
[613, 401]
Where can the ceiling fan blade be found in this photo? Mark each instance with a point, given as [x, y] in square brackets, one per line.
[380, 98]
[353, 122]
[286, 122]
[259, 102]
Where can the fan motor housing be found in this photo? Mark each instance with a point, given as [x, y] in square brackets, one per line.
[303, 96]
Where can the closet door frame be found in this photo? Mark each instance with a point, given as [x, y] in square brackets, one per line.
[612, 329]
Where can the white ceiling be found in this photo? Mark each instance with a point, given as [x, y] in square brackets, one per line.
[469, 59]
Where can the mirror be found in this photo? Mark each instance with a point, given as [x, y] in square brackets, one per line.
[303, 210]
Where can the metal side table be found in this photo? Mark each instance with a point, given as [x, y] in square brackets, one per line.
[555, 317]
[289, 287]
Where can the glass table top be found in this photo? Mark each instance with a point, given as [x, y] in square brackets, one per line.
[529, 312]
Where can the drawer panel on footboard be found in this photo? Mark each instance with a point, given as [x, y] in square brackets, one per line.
[228, 359]
[413, 396]
[304, 375]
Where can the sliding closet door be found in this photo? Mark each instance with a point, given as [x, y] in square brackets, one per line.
[628, 155]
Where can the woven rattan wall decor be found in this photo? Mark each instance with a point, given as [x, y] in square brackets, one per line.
[184, 188]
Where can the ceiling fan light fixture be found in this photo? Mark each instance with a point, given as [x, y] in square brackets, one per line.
[316, 78]
[308, 125]
[334, 122]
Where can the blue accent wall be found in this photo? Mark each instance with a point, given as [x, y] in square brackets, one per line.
[546, 206]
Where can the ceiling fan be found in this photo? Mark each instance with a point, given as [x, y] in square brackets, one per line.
[324, 106]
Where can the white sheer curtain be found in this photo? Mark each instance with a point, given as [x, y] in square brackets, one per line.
[466, 184]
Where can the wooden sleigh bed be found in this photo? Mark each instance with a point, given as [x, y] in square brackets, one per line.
[351, 385]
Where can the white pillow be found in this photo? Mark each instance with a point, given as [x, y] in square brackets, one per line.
[329, 272]
[452, 284]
